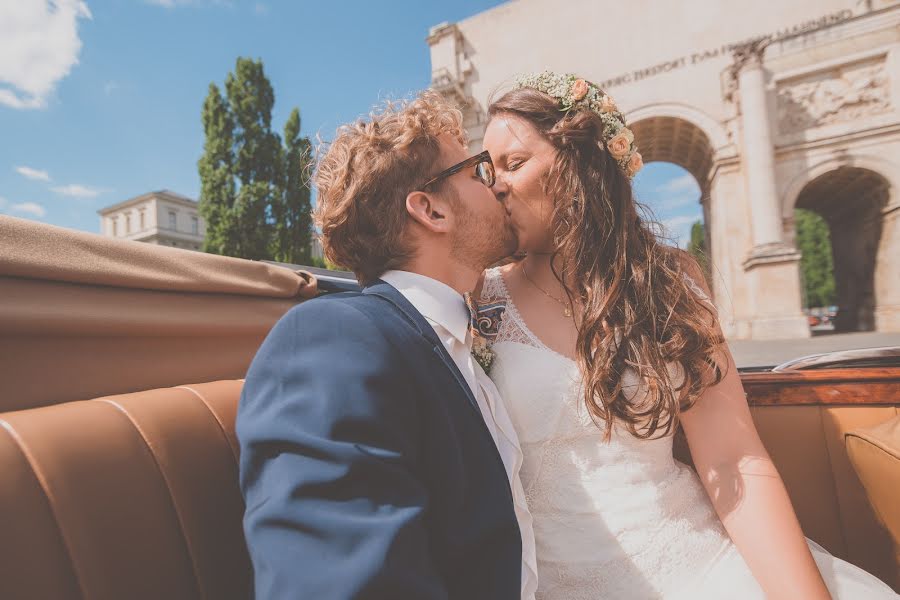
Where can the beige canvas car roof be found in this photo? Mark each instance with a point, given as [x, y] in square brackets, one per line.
[82, 315]
[38, 251]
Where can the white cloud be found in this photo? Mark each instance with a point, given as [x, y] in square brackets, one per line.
[678, 192]
[29, 208]
[26, 208]
[78, 191]
[669, 203]
[678, 229]
[684, 183]
[30, 173]
[174, 3]
[39, 45]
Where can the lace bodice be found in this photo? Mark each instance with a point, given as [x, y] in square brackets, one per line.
[617, 519]
[511, 328]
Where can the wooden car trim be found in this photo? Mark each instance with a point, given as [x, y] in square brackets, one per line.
[874, 386]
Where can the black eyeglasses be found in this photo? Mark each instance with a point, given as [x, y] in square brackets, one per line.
[484, 170]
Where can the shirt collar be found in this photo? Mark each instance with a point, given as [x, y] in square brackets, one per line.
[437, 301]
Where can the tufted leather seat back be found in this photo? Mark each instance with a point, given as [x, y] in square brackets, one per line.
[136, 496]
[131, 496]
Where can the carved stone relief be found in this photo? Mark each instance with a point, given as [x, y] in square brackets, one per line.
[841, 94]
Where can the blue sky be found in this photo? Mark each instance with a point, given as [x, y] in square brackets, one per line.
[100, 99]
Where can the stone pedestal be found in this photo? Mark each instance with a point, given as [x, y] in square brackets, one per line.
[887, 318]
[887, 270]
[773, 276]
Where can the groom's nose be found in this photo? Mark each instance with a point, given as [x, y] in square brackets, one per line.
[500, 189]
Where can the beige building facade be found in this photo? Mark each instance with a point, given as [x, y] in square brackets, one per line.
[163, 218]
[771, 105]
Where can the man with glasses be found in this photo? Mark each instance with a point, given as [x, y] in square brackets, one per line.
[377, 459]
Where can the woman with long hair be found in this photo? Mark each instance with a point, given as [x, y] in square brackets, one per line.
[609, 341]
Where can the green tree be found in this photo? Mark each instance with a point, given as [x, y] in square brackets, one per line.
[291, 209]
[253, 194]
[697, 248]
[257, 155]
[816, 263]
[216, 177]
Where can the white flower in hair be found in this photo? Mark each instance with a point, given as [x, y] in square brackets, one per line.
[573, 92]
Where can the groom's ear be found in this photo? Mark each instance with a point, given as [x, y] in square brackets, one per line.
[429, 210]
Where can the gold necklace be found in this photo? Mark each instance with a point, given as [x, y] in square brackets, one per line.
[567, 310]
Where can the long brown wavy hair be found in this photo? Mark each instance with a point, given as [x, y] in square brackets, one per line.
[636, 313]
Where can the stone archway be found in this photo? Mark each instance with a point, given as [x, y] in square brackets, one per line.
[675, 139]
[679, 134]
[852, 200]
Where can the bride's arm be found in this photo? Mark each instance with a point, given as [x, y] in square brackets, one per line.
[747, 491]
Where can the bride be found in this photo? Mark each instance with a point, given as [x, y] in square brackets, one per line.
[608, 341]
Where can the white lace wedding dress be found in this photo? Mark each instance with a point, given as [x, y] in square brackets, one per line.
[623, 519]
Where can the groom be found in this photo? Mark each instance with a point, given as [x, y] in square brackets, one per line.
[377, 460]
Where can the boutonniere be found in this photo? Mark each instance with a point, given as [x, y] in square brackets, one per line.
[485, 326]
[483, 353]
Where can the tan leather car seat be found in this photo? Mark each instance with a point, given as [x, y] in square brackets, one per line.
[131, 496]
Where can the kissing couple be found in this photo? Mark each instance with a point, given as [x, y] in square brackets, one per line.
[462, 430]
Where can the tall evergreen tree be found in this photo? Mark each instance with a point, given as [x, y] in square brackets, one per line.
[257, 156]
[816, 262]
[291, 210]
[217, 191]
[697, 248]
[254, 196]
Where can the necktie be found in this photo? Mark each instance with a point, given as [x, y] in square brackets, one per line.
[473, 316]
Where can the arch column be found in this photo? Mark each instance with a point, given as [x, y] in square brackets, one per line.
[758, 152]
[772, 266]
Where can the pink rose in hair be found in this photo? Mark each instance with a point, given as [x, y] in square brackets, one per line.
[607, 105]
[620, 145]
[635, 164]
[579, 90]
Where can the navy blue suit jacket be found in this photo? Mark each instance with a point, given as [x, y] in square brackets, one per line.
[366, 466]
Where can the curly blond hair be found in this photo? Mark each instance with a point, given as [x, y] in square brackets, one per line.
[365, 174]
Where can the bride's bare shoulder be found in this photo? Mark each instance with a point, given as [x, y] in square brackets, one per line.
[508, 267]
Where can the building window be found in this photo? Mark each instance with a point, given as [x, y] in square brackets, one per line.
[127, 224]
[172, 222]
[195, 226]
[143, 221]
[115, 227]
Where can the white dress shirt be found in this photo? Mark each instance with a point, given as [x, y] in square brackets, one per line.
[446, 311]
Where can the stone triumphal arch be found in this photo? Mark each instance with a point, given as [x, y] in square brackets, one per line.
[770, 105]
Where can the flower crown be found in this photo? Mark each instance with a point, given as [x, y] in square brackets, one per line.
[572, 92]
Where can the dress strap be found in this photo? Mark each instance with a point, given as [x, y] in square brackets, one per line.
[493, 289]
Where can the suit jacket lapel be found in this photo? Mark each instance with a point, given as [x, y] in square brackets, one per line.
[390, 293]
